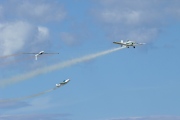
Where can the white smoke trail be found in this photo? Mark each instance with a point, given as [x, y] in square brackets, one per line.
[6, 56]
[55, 67]
[27, 97]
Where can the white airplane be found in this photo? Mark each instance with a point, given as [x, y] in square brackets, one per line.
[40, 53]
[63, 83]
[128, 43]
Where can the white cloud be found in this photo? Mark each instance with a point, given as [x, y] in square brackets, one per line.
[1, 12]
[43, 33]
[135, 19]
[12, 105]
[40, 10]
[32, 10]
[14, 36]
[35, 117]
[37, 104]
[149, 118]
[142, 34]
[17, 29]
[69, 38]
[114, 16]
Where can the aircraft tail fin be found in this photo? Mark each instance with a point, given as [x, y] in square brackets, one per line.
[36, 57]
[121, 42]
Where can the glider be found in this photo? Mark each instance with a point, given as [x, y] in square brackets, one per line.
[40, 53]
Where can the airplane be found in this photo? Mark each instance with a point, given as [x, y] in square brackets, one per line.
[40, 53]
[63, 83]
[128, 43]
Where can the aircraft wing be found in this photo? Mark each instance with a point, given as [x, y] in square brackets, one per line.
[30, 53]
[141, 43]
[63, 83]
[38, 53]
[50, 53]
[119, 43]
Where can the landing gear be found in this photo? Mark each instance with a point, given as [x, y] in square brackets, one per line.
[133, 46]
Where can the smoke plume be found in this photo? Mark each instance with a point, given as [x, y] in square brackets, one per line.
[57, 66]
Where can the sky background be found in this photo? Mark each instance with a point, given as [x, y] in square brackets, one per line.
[129, 84]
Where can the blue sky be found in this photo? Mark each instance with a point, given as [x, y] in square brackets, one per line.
[128, 84]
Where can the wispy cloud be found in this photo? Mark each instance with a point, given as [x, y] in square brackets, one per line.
[21, 24]
[39, 11]
[70, 39]
[22, 30]
[15, 35]
[149, 118]
[77, 33]
[140, 20]
[20, 110]
[35, 117]
[35, 105]
[13, 105]
[1, 12]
